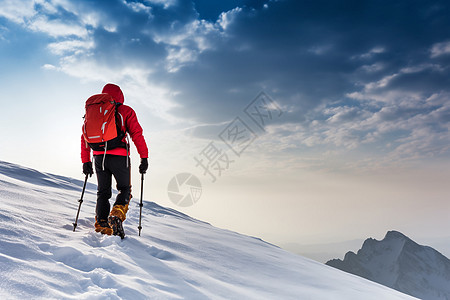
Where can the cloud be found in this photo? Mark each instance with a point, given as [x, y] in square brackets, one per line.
[348, 75]
[71, 46]
[56, 28]
[439, 49]
[139, 7]
[3, 31]
[17, 11]
[307, 54]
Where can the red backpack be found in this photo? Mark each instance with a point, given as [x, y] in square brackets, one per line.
[102, 123]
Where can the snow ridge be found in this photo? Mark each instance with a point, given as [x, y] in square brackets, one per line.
[176, 257]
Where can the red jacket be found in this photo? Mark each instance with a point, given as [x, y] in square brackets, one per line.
[130, 125]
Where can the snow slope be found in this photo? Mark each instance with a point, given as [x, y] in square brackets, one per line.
[400, 263]
[176, 257]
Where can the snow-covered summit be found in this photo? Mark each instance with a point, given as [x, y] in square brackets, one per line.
[176, 256]
[400, 263]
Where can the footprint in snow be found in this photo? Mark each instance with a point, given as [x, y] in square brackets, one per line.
[160, 254]
[97, 240]
[80, 261]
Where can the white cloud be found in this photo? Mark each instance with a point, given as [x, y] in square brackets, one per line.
[226, 18]
[371, 53]
[49, 67]
[56, 28]
[90, 19]
[17, 11]
[138, 7]
[186, 44]
[379, 90]
[341, 114]
[70, 47]
[380, 83]
[46, 6]
[420, 68]
[177, 57]
[439, 49]
[407, 127]
[376, 67]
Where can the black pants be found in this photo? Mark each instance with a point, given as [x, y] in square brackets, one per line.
[114, 165]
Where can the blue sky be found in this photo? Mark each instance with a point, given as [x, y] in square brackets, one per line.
[363, 87]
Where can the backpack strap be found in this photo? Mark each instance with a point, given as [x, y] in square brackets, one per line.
[120, 122]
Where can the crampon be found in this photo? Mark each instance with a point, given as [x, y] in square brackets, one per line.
[116, 225]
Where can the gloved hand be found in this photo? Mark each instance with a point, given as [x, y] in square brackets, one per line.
[143, 166]
[87, 168]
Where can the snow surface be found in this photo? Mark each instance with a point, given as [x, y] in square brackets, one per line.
[176, 256]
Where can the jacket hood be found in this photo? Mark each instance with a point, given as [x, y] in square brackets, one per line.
[114, 91]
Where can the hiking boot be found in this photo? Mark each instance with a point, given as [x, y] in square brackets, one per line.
[103, 227]
[119, 211]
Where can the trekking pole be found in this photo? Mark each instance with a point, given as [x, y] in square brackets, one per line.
[81, 201]
[140, 204]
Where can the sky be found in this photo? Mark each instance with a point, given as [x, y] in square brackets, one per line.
[304, 121]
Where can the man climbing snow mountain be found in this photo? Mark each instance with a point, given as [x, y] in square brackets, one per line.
[106, 125]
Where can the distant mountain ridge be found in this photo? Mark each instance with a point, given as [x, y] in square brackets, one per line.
[400, 263]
